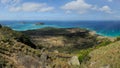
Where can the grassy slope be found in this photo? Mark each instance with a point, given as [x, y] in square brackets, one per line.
[17, 52]
[11, 46]
[104, 57]
[61, 39]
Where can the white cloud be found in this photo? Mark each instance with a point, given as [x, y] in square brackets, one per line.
[77, 5]
[95, 7]
[106, 9]
[47, 9]
[68, 12]
[30, 7]
[81, 7]
[4, 1]
[110, 0]
[9, 2]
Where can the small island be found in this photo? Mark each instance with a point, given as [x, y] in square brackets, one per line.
[39, 23]
[22, 22]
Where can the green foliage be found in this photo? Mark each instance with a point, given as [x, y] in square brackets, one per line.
[104, 43]
[83, 54]
[4, 28]
[118, 38]
[25, 39]
[7, 34]
[4, 63]
[5, 39]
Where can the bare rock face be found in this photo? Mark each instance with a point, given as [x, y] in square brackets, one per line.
[74, 61]
[29, 62]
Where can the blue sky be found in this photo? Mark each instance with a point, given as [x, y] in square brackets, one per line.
[59, 10]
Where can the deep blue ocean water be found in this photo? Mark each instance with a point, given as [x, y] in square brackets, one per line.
[105, 28]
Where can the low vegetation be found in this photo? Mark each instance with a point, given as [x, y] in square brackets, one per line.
[51, 48]
[63, 40]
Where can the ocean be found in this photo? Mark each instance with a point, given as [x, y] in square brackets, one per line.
[105, 28]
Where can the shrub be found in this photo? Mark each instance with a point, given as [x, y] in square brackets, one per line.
[118, 38]
[5, 39]
[0, 26]
[25, 39]
[104, 43]
[83, 55]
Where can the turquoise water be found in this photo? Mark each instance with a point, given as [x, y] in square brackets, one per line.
[106, 28]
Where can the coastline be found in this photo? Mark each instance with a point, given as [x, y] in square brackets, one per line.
[31, 26]
[102, 28]
[91, 30]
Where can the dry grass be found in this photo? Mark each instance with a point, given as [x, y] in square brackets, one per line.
[105, 57]
[50, 41]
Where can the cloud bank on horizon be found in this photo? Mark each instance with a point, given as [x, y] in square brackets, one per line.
[59, 10]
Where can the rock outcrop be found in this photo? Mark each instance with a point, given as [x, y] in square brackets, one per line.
[74, 61]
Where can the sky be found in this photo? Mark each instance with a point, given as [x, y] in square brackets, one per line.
[59, 9]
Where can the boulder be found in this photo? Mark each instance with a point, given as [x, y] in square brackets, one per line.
[29, 62]
[74, 61]
[56, 51]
